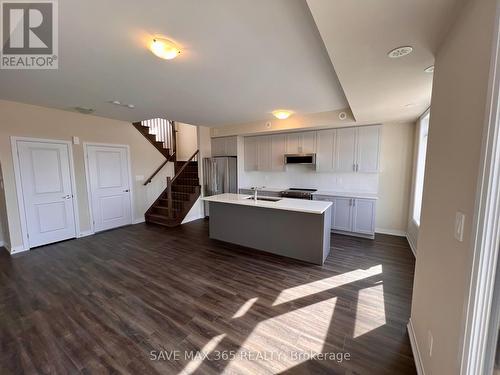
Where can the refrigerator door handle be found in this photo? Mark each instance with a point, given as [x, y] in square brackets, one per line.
[214, 175]
[226, 178]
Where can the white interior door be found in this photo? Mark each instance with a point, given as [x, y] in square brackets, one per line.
[47, 191]
[109, 182]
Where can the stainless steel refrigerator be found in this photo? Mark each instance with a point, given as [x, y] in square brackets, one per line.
[220, 175]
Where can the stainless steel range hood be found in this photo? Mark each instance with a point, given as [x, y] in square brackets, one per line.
[306, 159]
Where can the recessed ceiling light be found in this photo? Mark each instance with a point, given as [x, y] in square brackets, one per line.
[131, 106]
[116, 102]
[281, 114]
[400, 52]
[164, 48]
[429, 69]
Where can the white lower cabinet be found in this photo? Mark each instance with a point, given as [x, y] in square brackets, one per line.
[354, 216]
[363, 216]
[342, 219]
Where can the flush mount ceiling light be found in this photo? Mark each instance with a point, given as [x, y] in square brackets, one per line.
[400, 52]
[429, 69]
[164, 48]
[281, 114]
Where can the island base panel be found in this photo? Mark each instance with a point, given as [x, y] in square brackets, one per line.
[297, 235]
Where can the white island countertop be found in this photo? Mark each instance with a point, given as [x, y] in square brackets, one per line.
[287, 204]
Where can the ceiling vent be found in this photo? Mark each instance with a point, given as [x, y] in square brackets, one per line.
[400, 52]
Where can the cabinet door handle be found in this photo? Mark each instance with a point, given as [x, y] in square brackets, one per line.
[354, 167]
[357, 167]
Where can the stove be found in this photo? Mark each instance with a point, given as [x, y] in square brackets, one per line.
[298, 193]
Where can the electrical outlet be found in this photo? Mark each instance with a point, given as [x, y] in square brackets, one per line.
[430, 342]
[459, 226]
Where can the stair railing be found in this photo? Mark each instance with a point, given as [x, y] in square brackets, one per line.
[164, 132]
[170, 181]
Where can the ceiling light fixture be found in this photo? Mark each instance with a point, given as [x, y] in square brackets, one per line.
[281, 114]
[164, 48]
[400, 52]
[429, 69]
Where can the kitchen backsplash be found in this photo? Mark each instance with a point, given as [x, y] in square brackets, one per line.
[305, 177]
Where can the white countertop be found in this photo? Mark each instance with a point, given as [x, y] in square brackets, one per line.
[287, 204]
[328, 193]
[273, 189]
[346, 194]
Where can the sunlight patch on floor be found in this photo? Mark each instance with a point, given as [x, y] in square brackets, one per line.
[322, 285]
[304, 331]
[207, 349]
[370, 312]
[245, 307]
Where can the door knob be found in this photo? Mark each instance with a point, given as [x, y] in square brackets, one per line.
[126, 191]
[66, 197]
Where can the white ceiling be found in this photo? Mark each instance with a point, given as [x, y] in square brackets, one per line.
[241, 59]
[358, 34]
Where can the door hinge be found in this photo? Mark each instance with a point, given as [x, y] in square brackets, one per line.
[27, 235]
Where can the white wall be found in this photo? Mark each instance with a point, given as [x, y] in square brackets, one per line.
[187, 140]
[31, 121]
[4, 227]
[444, 265]
[396, 168]
[204, 145]
[413, 228]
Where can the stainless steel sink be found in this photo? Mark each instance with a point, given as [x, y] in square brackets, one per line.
[267, 199]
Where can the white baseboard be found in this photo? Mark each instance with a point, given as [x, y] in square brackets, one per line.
[392, 232]
[85, 234]
[15, 249]
[138, 221]
[412, 246]
[414, 348]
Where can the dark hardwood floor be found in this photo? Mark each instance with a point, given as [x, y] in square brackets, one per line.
[142, 299]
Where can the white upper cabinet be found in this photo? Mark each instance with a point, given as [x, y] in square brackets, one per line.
[218, 147]
[278, 151]
[250, 146]
[301, 143]
[293, 143]
[345, 150]
[325, 150]
[231, 146]
[224, 146]
[337, 150]
[368, 149]
[308, 142]
[264, 153]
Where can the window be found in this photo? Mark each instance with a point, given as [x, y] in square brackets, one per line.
[423, 132]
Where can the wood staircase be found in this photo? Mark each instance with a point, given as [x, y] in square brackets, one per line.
[184, 188]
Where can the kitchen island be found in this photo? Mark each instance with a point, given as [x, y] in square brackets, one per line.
[293, 228]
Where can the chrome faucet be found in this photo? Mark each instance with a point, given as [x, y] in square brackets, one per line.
[255, 191]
